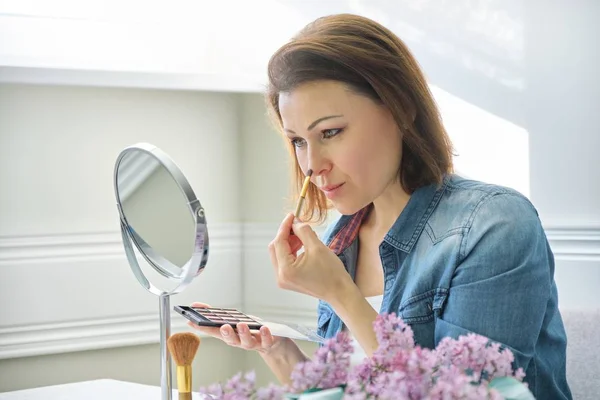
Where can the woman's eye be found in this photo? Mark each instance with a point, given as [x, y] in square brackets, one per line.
[329, 133]
[297, 142]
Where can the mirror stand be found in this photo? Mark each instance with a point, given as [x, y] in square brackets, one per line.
[160, 216]
[164, 310]
[165, 356]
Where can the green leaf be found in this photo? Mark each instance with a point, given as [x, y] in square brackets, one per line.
[511, 388]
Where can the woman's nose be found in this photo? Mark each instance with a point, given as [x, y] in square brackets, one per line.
[318, 161]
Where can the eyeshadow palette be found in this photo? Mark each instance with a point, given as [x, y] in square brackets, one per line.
[216, 317]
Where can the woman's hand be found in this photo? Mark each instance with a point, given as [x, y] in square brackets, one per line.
[317, 271]
[263, 342]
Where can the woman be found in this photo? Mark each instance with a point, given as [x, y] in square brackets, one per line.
[448, 255]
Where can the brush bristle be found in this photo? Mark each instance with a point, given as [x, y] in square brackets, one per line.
[183, 347]
[309, 173]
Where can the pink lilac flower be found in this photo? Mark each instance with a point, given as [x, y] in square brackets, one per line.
[453, 383]
[237, 388]
[271, 392]
[407, 376]
[457, 369]
[356, 396]
[329, 367]
[478, 355]
[392, 333]
[410, 367]
[215, 389]
[395, 339]
[242, 385]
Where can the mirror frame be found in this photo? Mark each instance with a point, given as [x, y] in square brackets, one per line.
[197, 262]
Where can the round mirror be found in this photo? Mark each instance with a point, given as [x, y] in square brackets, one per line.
[160, 215]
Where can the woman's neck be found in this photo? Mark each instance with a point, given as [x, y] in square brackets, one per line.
[386, 209]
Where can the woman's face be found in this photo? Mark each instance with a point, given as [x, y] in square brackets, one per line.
[351, 143]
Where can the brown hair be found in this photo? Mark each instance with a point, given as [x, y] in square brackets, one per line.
[374, 62]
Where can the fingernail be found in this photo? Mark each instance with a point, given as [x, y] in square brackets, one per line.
[263, 332]
[224, 332]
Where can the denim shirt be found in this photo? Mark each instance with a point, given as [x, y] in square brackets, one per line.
[465, 257]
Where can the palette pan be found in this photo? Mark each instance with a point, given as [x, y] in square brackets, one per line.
[217, 317]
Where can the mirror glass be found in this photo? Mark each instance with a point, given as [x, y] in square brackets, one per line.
[156, 210]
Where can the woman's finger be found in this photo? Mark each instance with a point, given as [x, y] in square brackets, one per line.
[281, 243]
[295, 244]
[283, 253]
[247, 340]
[282, 240]
[266, 338]
[199, 305]
[229, 336]
[306, 234]
[261, 341]
[273, 257]
[209, 330]
[285, 229]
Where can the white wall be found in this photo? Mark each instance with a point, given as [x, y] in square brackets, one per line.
[62, 264]
[516, 82]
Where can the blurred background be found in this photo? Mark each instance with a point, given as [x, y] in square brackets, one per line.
[516, 81]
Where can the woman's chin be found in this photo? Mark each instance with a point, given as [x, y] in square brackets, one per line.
[345, 208]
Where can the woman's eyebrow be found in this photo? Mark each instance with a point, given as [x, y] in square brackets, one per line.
[315, 122]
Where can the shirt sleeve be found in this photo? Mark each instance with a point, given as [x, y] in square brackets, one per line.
[503, 282]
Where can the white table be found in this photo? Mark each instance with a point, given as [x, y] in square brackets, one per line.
[102, 389]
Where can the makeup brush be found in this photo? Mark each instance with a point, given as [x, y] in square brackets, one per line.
[183, 347]
[303, 193]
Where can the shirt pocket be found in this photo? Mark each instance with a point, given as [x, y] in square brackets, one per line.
[419, 311]
[418, 308]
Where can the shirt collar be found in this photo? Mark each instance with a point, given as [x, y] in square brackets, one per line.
[349, 231]
[407, 228]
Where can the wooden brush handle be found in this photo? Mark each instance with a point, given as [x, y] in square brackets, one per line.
[185, 396]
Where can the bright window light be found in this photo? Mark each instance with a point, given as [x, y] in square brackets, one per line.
[487, 147]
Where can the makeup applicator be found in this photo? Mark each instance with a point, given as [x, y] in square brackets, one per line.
[183, 347]
[303, 193]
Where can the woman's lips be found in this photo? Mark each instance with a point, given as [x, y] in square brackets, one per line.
[331, 190]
